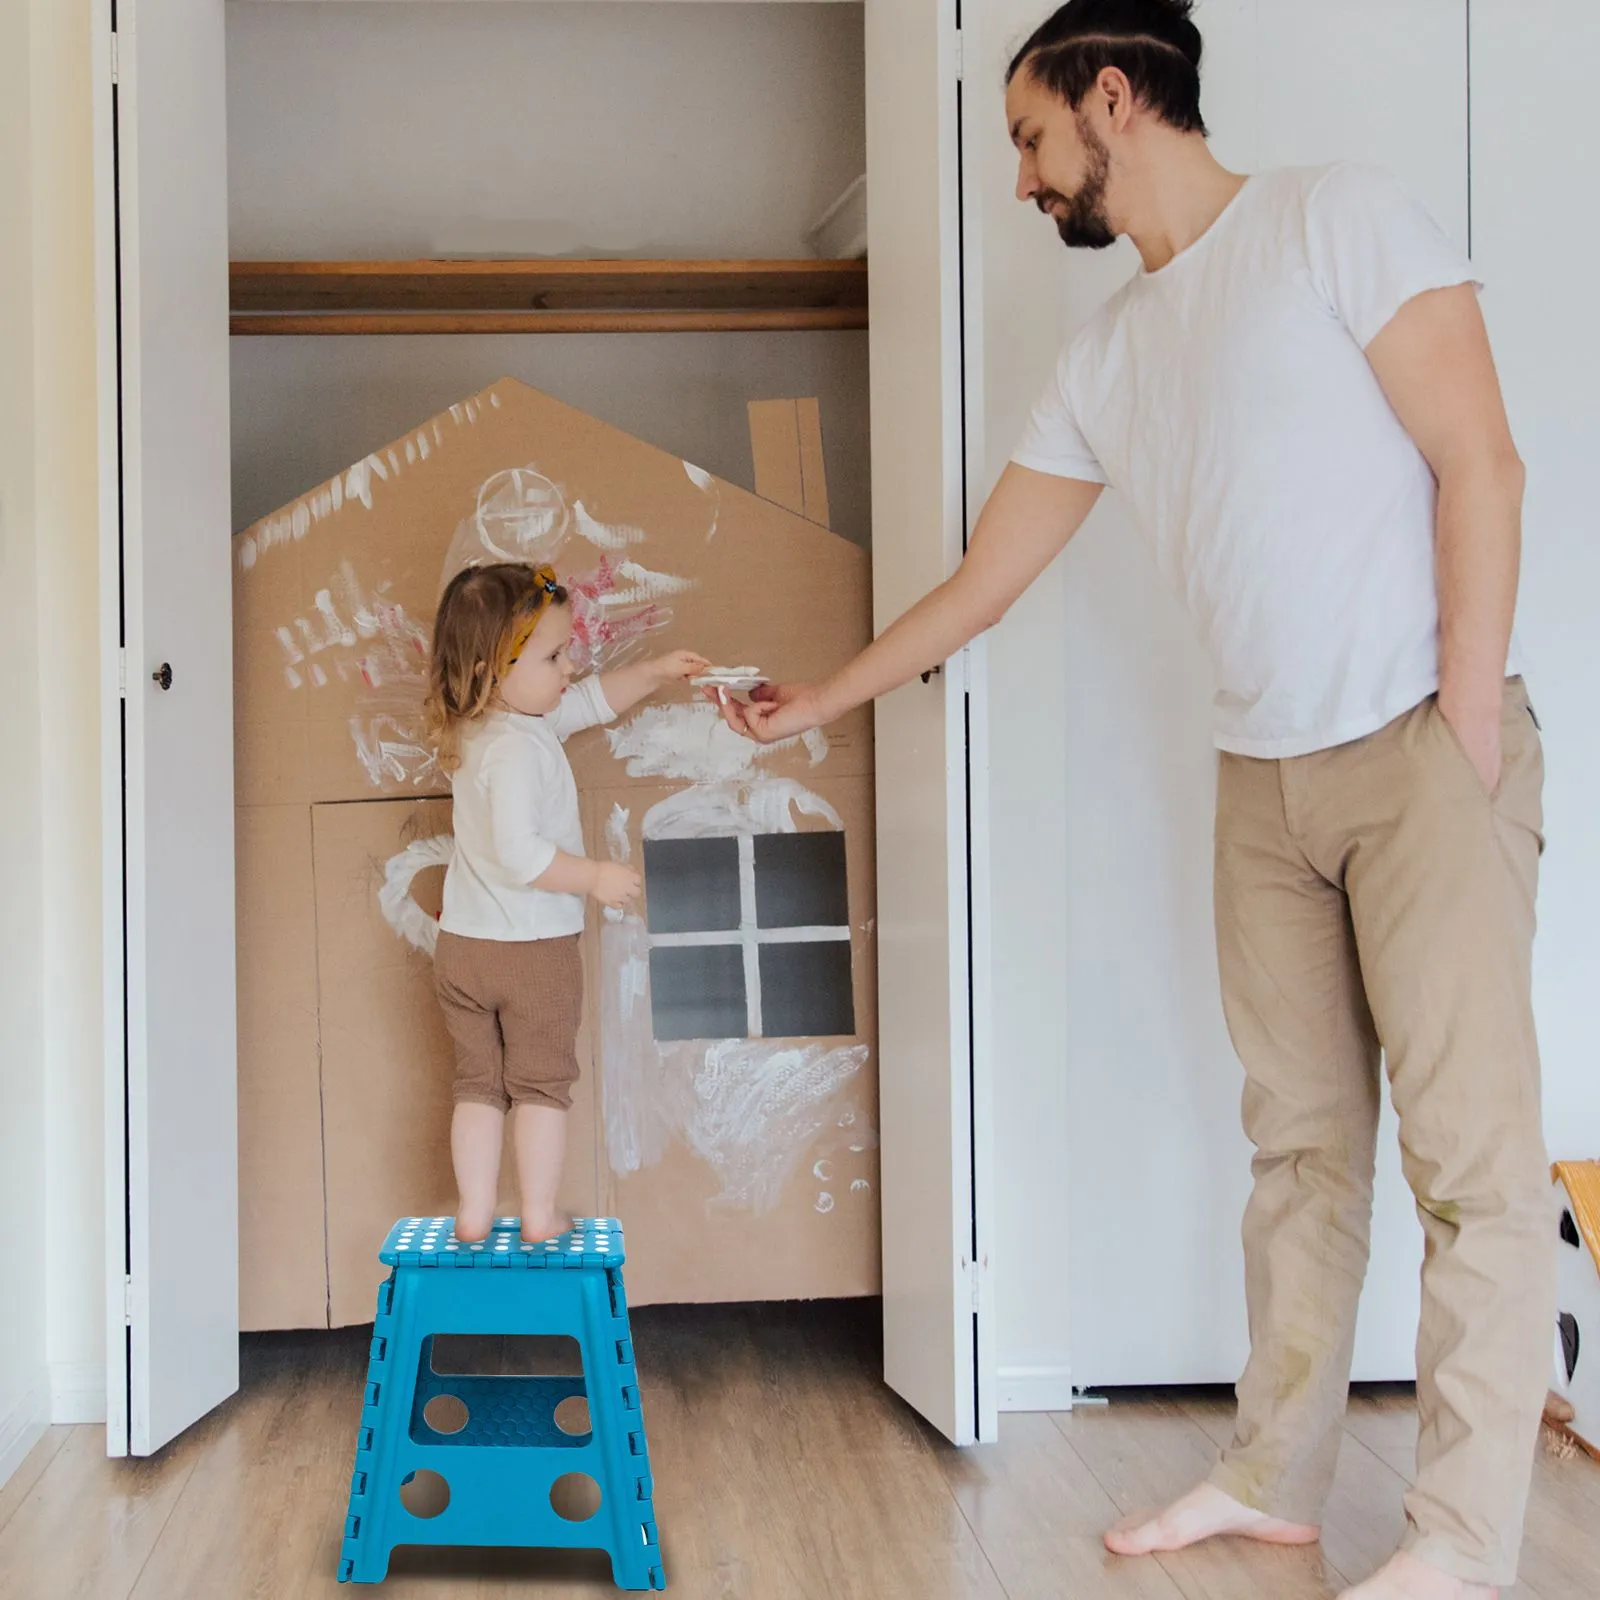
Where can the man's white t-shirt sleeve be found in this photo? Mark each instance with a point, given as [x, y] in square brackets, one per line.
[1053, 442]
[1373, 246]
[511, 778]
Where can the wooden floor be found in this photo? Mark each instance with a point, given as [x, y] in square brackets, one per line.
[784, 1471]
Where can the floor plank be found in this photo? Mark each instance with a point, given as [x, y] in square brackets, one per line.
[20, 1484]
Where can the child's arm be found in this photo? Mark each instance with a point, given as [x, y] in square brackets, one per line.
[512, 774]
[625, 687]
[609, 882]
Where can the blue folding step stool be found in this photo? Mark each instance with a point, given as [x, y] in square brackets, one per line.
[502, 1463]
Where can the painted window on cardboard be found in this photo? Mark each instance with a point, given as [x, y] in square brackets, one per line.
[749, 936]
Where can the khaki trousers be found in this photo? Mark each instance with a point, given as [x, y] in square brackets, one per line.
[1376, 898]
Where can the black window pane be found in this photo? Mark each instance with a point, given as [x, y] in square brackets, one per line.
[801, 881]
[697, 992]
[691, 885]
[805, 990]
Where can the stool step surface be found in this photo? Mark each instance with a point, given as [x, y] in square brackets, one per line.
[432, 1242]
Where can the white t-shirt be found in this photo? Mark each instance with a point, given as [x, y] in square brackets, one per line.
[516, 805]
[1227, 396]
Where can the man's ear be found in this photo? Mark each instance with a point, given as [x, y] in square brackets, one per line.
[1118, 92]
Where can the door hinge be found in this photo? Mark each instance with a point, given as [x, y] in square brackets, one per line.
[127, 1302]
[975, 1284]
[961, 56]
[116, 65]
[122, 673]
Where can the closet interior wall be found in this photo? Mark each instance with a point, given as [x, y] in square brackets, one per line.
[397, 131]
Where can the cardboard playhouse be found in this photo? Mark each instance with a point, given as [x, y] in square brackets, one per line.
[728, 1106]
[1575, 1393]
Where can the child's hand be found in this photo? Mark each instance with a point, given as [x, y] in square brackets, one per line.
[615, 885]
[678, 665]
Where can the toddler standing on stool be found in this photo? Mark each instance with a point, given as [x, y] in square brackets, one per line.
[507, 969]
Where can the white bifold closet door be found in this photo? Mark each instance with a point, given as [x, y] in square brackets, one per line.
[172, 1184]
[933, 1068]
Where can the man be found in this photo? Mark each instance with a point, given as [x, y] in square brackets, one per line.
[1296, 396]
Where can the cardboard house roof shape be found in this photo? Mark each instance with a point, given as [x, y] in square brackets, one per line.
[1577, 1359]
[728, 1105]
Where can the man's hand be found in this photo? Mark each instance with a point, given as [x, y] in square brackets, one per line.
[1478, 729]
[775, 711]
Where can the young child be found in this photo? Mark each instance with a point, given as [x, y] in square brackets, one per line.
[507, 968]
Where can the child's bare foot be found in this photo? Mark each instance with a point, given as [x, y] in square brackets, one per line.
[1204, 1513]
[550, 1226]
[473, 1224]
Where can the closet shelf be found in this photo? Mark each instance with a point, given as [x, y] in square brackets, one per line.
[348, 297]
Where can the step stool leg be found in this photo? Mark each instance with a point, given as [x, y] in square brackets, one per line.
[385, 1416]
[619, 1422]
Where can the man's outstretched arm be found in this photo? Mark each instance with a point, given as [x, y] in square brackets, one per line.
[1024, 525]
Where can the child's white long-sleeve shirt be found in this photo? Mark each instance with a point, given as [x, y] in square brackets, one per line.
[516, 805]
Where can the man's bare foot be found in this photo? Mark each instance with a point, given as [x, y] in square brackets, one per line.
[1405, 1578]
[549, 1227]
[1204, 1513]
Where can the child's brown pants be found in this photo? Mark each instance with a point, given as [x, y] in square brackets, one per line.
[513, 1010]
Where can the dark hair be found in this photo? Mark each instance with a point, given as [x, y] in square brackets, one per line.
[1153, 43]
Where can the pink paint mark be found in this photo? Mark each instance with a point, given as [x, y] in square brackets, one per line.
[602, 635]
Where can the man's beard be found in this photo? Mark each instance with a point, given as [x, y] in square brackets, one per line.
[1084, 224]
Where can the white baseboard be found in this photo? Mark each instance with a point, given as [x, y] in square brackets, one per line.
[1035, 1388]
[23, 1428]
[77, 1392]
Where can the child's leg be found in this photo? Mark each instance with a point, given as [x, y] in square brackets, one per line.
[475, 1135]
[540, 1025]
[541, 1139]
[466, 980]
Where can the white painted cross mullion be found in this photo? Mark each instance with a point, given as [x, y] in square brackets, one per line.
[750, 935]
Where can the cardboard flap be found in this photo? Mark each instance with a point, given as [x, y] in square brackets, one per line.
[786, 448]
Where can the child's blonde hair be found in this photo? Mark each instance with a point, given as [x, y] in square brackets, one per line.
[485, 617]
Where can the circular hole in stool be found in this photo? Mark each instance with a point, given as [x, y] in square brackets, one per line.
[575, 1496]
[445, 1413]
[424, 1494]
[572, 1415]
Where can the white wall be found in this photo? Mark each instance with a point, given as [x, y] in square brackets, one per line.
[1536, 241]
[24, 1395]
[52, 1345]
[66, 501]
[380, 130]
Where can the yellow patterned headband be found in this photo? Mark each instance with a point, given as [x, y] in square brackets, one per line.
[526, 622]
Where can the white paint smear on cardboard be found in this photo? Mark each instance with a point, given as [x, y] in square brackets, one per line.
[711, 810]
[757, 1108]
[618, 844]
[638, 586]
[400, 911]
[603, 535]
[690, 740]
